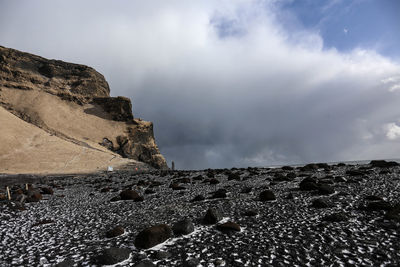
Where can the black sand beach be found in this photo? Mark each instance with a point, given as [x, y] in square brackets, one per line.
[316, 215]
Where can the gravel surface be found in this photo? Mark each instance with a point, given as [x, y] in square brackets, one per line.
[359, 225]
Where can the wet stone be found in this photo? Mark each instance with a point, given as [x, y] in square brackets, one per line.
[212, 216]
[152, 236]
[198, 198]
[320, 203]
[117, 231]
[145, 263]
[267, 195]
[112, 256]
[183, 227]
[228, 227]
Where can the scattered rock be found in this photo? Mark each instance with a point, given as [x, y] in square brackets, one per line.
[310, 167]
[246, 190]
[228, 227]
[65, 263]
[105, 190]
[155, 184]
[117, 231]
[212, 216]
[153, 236]
[184, 181]
[291, 175]
[383, 163]
[378, 205]
[233, 176]
[160, 255]
[287, 168]
[198, 178]
[214, 181]
[320, 203]
[393, 213]
[324, 189]
[323, 166]
[176, 186]
[16, 205]
[326, 180]
[267, 195]
[335, 217]
[220, 193]
[373, 198]
[145, 263]
[111, 256]
[340, 179]
[355, 173]
[47, 191]
[33, 196]
[279, 177]
[290, 196]
[149, 191]
[130, 195]
[308, 184]
[19, 198]
[219, 262]
[250, 213]
[191, 262]
[183, 227]
[198, 198]
[116, 198]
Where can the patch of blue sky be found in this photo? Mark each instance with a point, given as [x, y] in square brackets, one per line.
[227, 27]
[347, 24]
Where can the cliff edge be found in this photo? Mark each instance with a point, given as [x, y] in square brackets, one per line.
[68, 104]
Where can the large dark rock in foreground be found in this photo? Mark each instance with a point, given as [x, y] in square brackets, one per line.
[183, 227]
[130, 195]
[112, 256]
[116, 231]
[212, 216]
[153, 236]
[228, 227]
[308, 184]
[267, 195]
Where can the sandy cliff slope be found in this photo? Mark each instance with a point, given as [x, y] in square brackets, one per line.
[58, 117]
[25, 148]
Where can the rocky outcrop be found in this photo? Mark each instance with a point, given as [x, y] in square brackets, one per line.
[25, 71]
[73, 102]
[120, 108]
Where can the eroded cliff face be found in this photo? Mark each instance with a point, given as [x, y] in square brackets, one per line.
[72, 102]
[25, 71]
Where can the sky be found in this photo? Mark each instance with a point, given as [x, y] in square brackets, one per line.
[235, 83]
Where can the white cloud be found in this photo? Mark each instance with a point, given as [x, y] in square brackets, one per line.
[394, 87]
[392, 131]
[393, 79]
[223, 81]
[393, 82]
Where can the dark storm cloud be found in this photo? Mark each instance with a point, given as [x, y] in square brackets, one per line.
[223, 82]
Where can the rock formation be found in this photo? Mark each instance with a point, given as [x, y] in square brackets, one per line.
[71, 102]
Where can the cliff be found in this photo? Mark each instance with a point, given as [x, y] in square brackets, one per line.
[71, 103]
